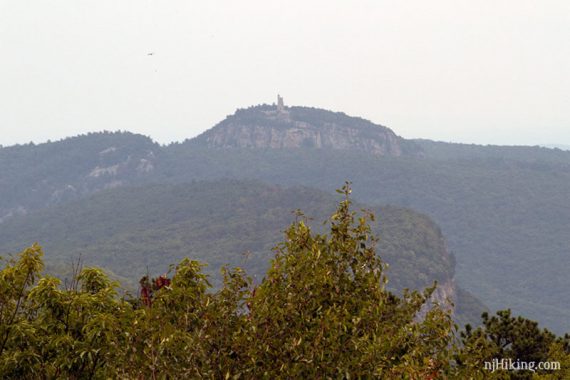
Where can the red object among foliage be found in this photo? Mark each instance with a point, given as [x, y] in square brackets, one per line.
[161, 281]
[148, 287]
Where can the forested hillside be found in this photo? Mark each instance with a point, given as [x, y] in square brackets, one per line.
[505, 220]
[34, 176]
[461, 152]
[321, 309]
[132, 231]
[503, 210]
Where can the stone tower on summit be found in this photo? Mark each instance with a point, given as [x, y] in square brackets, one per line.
[280, 104]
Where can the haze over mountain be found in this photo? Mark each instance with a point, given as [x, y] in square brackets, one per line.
[132, 230]
[503, 210]
[446, 70]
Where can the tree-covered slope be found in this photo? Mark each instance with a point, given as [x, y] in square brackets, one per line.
[134, 230]
[33, 176]
[507, 220]
[454, 151]
[320, 310]
[504, 210]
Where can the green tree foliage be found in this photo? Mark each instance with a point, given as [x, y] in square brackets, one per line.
[321, 311]
[50, 332]
[15, 281]
[505, 337]
[499, 207]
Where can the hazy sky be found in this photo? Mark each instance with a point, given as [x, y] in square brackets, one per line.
[487, 71]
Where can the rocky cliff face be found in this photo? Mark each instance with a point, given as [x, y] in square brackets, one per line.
[302, 127]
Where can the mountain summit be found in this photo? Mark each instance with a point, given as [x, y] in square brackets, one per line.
[277, 126]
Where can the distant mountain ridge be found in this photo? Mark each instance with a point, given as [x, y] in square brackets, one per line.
[275, 127]
[557, 146]
[498, 207]
[519, 153]
[35, 176]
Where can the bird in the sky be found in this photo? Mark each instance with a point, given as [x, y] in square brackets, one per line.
[152, 53]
